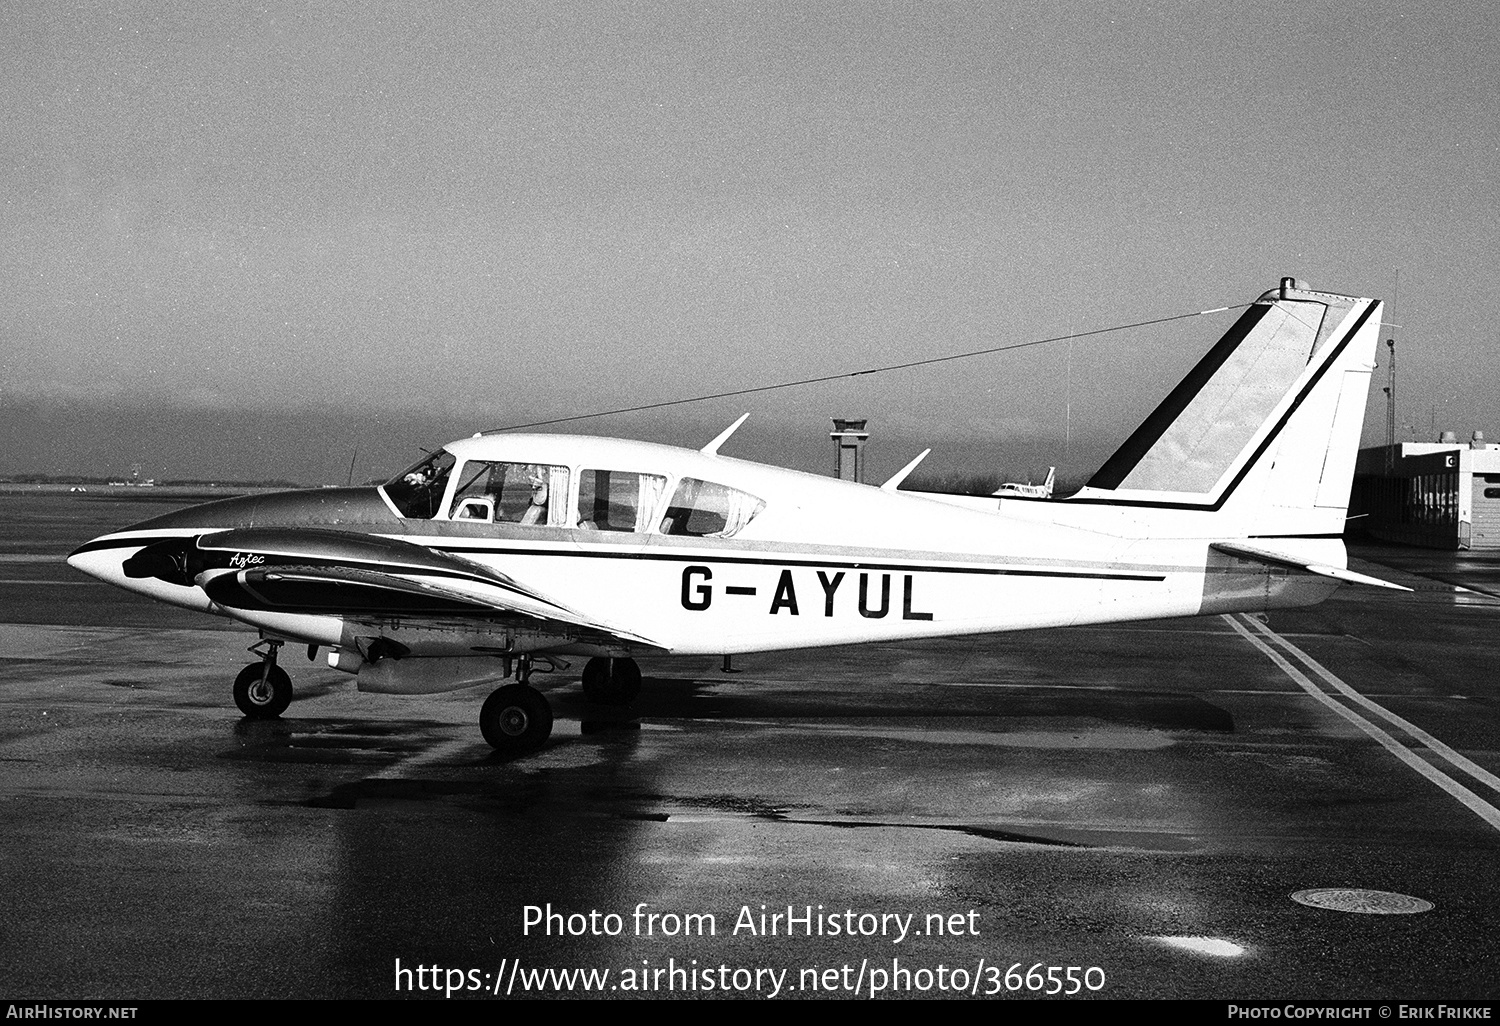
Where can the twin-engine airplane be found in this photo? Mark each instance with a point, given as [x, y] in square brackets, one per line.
[501, 550]
[1016, 490]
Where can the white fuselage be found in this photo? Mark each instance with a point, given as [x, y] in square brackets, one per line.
[1230, 496]
[826, 562]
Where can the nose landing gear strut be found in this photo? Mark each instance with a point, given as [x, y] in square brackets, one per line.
[263, 690]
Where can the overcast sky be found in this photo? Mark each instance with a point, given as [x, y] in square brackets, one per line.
[252, 238]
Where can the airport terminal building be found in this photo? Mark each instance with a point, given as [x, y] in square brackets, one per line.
[1439, 495]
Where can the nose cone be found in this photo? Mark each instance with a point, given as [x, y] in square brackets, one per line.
[101, 561]
[112, 557]
[116, 559]
[139, 557]
[125, 558]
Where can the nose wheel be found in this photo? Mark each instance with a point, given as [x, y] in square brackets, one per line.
[263, 690]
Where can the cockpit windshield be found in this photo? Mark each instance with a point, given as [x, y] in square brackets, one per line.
[418, 493]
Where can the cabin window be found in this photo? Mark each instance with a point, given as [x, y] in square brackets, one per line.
[418, 493]
[618, 500]
[703, 509]
[530, 494]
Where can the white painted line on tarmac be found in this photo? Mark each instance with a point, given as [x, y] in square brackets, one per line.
[437, 754]
[28, 581]
[1473, 802]
[1458, 761]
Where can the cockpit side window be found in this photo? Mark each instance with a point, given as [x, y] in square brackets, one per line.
[418, 493]
[530, 494]
[703, 509]
[618, 500]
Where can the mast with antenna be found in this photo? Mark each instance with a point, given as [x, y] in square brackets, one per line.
[1390, 388]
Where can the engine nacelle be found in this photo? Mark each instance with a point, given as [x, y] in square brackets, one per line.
[427, 676]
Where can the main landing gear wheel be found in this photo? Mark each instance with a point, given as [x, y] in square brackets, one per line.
[516, 719]
[262, 691]
[611, 681]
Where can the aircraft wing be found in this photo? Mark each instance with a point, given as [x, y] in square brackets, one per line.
[372, 579]
[1260, 555]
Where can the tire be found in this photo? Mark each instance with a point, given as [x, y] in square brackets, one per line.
[611, 681]
[515, 719]
[262, 701]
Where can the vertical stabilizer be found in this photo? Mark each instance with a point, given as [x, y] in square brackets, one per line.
[1266, 427]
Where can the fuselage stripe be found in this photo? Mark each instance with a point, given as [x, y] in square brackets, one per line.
[693, 557]
[700, 557]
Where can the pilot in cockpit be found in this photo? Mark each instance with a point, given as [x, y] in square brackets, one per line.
[536, 513]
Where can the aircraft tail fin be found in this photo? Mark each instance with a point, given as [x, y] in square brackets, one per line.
[1265, 429]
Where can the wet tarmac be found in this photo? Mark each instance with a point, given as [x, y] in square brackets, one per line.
[1138, 803]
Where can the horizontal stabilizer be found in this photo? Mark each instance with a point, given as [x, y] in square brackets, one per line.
[1296, 563]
